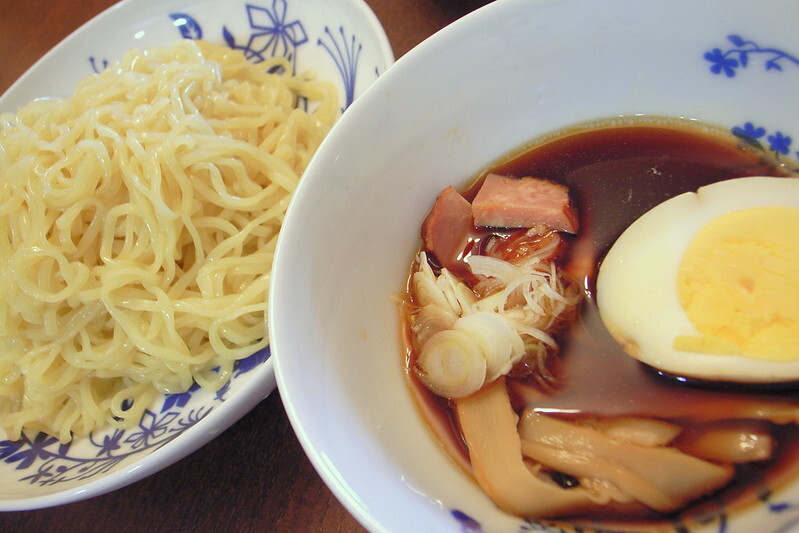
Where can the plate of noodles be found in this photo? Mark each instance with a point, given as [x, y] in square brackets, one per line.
[569, 302]
[147, 162]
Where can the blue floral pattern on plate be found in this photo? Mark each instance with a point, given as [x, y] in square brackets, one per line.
[48, 462]
[274, 33]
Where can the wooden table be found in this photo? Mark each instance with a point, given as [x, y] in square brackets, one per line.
[255, 476]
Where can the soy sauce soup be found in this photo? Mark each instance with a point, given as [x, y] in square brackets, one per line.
[615, 174]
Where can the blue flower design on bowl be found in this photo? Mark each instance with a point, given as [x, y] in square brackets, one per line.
[728, 61]
[778, 142]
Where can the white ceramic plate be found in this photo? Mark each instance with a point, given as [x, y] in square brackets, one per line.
[343, 42]
[493, 81]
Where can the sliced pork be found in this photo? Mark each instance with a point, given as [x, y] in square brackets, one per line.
[504, 202]
[447, 227]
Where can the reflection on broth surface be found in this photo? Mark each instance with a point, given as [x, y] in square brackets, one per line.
[591, 390]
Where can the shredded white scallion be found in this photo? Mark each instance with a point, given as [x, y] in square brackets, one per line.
[528, 298]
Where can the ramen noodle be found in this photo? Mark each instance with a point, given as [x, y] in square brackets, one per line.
[139, 220]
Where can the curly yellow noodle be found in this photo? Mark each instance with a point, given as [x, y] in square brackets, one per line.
[139, 220]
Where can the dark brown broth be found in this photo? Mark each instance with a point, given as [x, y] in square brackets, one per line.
[616, 174]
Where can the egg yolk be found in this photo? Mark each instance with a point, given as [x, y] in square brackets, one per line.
[738, 283]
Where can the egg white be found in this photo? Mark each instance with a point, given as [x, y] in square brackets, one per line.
[637, 281]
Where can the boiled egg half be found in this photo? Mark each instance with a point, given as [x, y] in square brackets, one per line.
[706, 284]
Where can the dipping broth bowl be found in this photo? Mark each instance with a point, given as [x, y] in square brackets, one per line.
[501, 77]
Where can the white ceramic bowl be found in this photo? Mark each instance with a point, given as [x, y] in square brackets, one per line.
[493, 81]
[343, 42]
